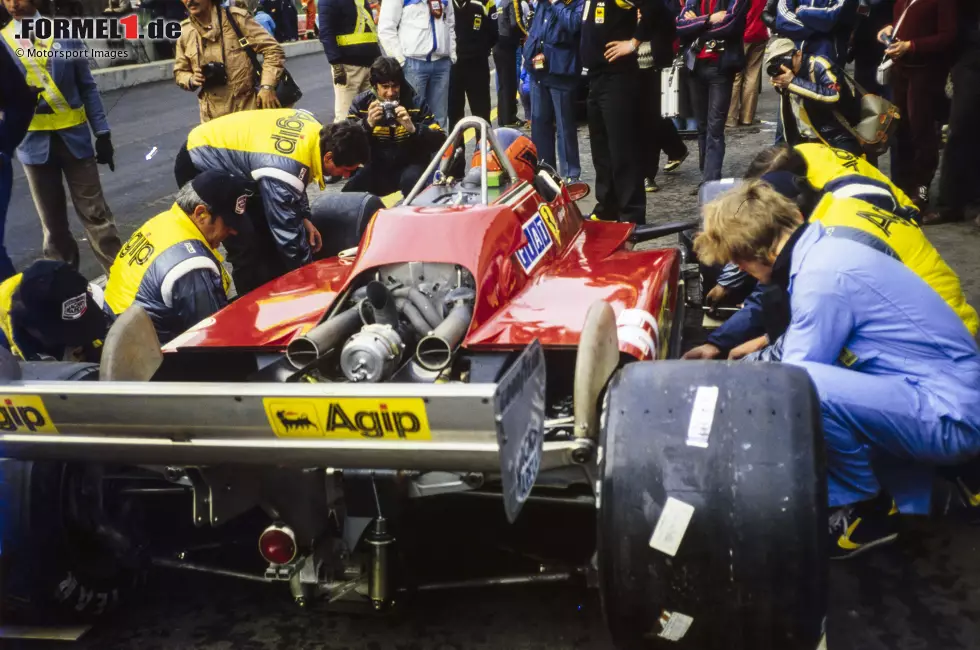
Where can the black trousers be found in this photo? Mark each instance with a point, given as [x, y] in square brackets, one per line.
[505, 62]
[613, 118]
[959, 179]
[253, 253]
[469, 79]
[660, 133]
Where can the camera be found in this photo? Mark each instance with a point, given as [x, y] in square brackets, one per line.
[389, 111]
[775, 67]
[215, 74]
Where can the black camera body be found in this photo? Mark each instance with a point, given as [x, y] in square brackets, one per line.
[215, 75]
[775, 67]
[389, 112]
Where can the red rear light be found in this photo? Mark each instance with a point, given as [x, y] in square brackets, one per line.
[277, 544]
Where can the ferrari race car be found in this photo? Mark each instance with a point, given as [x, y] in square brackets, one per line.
[479, 339]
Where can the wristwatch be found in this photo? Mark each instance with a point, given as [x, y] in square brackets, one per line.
[267, 86]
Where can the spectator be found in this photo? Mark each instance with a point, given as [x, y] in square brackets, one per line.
[309, 10]
[210, 61]
[16, 112]
[282, 151]
[611, 34]
[421, 36]
[469, 78]
[660, 133]
[290, 21]
[820, 27]
[512, 30]
[182, 281]
[959, 181]
[712, 32]
[265, 20]
[921, 48]
[58, 146]
[748, 81]
[552, 61]
[275, 9]
[350, 41]
[810, 87]
[404, 135]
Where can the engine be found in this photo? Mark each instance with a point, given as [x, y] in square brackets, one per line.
[404, 319]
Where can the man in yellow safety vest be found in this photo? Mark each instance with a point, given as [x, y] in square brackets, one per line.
[58, 143]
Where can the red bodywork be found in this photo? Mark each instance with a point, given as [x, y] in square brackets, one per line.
[586, 261]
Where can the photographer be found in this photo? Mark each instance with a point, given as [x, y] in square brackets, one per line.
[815, 97]
[403, 132]
[211, 62]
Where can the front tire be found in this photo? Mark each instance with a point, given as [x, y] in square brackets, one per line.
[712, 514]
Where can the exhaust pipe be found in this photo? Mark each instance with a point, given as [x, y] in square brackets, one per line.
[382, 304]
[306, 349]
[422, 303]
[435, 351]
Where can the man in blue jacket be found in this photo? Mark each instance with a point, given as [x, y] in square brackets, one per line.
[58, 144]
[16, 111]
[820, 27]
[551, 58]
[896, 370]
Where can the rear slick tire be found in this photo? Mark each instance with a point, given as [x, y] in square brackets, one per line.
[749, 568]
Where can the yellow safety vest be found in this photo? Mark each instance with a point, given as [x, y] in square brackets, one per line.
[907, 241]
[64, 116]
[825, 164]
[364, 29]
[7, 290]
[137, 255]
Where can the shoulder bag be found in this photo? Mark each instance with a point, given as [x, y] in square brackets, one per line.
[287, 90]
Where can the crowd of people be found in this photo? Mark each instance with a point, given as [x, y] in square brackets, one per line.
[824, 252]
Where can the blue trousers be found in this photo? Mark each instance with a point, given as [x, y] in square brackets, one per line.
[711, 94]
[6, 185]
[883, 427]
[551, 107]
[430, 79]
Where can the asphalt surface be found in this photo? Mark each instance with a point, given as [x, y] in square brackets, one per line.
[920, 594]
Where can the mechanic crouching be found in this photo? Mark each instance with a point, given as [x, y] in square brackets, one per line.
[171, 266]
[51, 313]
[896, 370]
[281, 151]
[403, 132]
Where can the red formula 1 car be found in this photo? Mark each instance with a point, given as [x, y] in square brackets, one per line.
[479, 339]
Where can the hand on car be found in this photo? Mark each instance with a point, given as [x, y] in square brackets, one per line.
[717, 17]
[703, 352]
[405, 119]
[375, 113]
[748, 348]
[898, 49]
[784, 80]
[618, 49]
[267, 98]
[316, 241]
[716, 295]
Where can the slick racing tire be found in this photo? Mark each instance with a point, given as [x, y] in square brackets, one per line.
[56, 562]
[711, 509]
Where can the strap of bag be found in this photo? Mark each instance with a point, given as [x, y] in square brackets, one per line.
[898, 24]
[244, 43]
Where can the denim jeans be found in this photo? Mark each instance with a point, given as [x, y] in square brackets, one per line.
[711, 93]
[6, 183]
[551, 107]
[430, 79]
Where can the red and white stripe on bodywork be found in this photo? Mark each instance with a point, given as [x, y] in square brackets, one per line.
[638, 333]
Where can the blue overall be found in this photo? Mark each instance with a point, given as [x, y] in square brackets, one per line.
[897, 372]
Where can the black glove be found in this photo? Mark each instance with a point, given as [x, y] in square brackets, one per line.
[104, 151]
[339, 75]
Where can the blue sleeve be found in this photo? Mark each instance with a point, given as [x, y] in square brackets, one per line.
[569, 18]
[284, 210]
[824, 88]
[94, 109]
[688, 28]
[328, 30]
[197, 295]
[822, 319]
[744, 325]
[824, 19]
[788, 24]
[734, 20]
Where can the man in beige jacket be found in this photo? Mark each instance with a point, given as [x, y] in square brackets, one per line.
[211, 61]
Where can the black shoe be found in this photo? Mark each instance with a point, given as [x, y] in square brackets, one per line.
[650, 185]
[674, 164]
[861, 526]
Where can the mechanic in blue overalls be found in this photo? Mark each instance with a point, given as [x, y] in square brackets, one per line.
[896, 370]
[551, 58]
